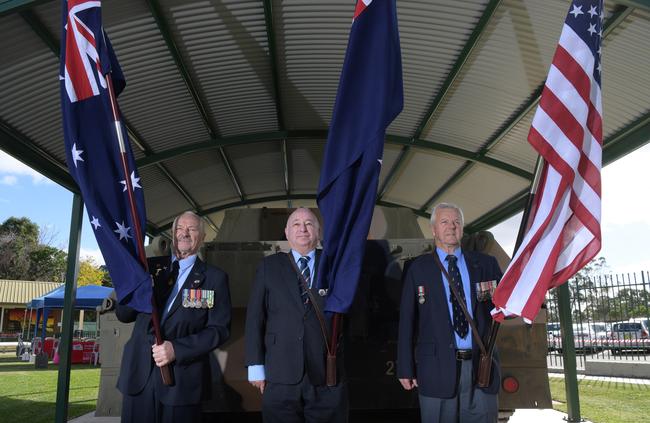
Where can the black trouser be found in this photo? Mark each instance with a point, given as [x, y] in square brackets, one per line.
[146, 408]
[304, 402]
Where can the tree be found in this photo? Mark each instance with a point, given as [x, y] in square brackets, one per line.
[90, 273]
[47, 264]
[24, 256]
[583, 288]
[18, 238]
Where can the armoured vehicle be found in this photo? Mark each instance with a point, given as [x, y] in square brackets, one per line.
[370, 326]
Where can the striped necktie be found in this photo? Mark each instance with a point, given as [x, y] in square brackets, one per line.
[303, 264]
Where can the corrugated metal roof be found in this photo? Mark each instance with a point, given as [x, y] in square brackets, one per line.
[231, 74]
[20, 292]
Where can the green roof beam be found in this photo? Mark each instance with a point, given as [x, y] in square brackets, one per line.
[456, 70]
[270, 39]
[8, 7]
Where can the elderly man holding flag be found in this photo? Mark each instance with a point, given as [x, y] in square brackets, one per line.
[101, 162]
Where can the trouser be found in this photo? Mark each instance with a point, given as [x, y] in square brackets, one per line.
[305, 403]
[470, 405]
[146, 408]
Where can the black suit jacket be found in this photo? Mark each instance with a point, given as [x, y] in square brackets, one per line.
[280, 333]
[426, 344]
[194, 333]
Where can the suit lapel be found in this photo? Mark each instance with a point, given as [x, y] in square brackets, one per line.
[473, 269]
[194, 280]
[291, 280]
[439, 295]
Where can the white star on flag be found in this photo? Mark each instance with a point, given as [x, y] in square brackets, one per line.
[134, 182]
[76, 154]
[592, 11]
[123, 231]
[95, 223]
[592, 30]
[577, 10]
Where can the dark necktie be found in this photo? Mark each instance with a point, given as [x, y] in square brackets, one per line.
[460, 322]
[303, 264]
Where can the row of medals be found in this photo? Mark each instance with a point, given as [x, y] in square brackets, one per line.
[198, 298]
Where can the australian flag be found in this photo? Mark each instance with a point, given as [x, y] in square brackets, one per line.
[94, 153]
[369, 97]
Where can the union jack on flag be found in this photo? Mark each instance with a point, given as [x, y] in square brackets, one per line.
[93, 152]
[567, 131]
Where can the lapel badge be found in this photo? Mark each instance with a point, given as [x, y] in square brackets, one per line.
[421, 299]
[196, 282]
[322, 292]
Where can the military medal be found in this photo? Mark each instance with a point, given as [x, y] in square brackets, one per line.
[421, 294]
[186, 299]
[210, 299]
[197, 302]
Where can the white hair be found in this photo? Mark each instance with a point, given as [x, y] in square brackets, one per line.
[446, 206]
[188, 213]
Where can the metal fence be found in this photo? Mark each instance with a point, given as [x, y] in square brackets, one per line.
[610, 315]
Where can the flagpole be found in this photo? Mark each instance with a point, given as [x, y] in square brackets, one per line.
[494, 329]
[165, 371]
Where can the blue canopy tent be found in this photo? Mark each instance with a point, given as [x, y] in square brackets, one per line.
[88, 298]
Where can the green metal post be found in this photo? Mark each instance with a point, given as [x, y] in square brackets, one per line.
[65, 346]
[569, 354]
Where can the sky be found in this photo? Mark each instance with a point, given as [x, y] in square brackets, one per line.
[625, 219]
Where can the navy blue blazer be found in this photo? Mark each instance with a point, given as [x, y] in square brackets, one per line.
[280, 333]
[194, 333]
[426, 348]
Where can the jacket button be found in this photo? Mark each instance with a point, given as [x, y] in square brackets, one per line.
[300, 338]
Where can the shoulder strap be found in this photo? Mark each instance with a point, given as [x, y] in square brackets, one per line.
[461, 303]
[317, 310]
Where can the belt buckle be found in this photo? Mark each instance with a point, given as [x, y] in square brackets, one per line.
[463, 355]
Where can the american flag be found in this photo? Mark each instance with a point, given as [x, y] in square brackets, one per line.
[567, 131]
[93, 152]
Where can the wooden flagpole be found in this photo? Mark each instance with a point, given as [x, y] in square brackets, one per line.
[165, 371]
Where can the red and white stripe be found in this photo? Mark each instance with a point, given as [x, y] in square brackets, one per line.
[564, 228]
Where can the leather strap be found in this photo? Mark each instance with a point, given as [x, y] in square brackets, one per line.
[317, 310]
[461, 303]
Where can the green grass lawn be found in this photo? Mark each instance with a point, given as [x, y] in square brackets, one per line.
[606, 402]
[29, 395]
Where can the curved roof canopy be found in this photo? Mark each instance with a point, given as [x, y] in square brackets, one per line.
[228, 102]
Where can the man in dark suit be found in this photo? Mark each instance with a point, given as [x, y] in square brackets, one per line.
[436, 352]
[285, 347]
[193, 301]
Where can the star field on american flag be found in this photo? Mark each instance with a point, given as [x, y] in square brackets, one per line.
[567, 131]
[94, 156]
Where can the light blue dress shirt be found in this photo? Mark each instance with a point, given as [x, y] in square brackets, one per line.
[256, 371]
[184, 267]
[466, 342]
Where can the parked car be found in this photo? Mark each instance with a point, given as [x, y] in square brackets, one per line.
[599, 333]
[584, 339]
[633, 335]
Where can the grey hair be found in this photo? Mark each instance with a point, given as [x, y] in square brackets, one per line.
[188, 213]
[446, 206]
[307, 209]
